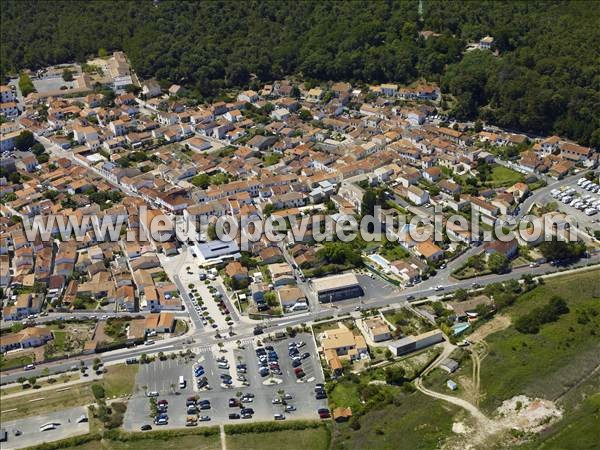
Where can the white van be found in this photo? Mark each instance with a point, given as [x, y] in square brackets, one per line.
[299, 307]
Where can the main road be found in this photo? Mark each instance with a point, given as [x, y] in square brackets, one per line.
[201, 336]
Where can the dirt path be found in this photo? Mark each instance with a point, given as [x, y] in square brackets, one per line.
[223, 437]
[498, 323]
[482, 420]
[475, 412]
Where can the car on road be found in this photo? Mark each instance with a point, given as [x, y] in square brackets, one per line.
[152, 394]
[439, 287]
[29, 367]
[290, 408]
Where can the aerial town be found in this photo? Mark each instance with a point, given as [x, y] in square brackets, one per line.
[143, 332]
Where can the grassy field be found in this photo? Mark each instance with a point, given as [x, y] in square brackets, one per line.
[548, 363]
[309, 439]
[11, 363]
[194, 442]
[58, 380]
[413, 422]
[580, 426]
[503, 176]
[118, 381]
[173, 443]
[37, 403]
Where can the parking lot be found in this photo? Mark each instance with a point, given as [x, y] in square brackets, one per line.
[28, 434]
[581, 204]
[374, 288]
[230, 376]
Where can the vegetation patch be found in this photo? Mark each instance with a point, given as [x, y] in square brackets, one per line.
[547, 363]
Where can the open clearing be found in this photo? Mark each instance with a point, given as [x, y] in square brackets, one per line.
[309, 439]
[545, 364]
[411, 422]
[117, 382]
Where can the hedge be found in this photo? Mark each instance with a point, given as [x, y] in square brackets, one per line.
[267, 427]
[123, 436]
[69, 442]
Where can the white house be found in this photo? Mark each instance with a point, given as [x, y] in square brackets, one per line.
[417, 195]
[151, 88]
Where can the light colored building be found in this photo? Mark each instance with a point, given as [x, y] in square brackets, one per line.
[26, 338]
[411, 344]
[337, 287]
[377, 329]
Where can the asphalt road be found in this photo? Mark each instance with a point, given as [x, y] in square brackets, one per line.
[245, 330]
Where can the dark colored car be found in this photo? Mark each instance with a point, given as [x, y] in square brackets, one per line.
[146, 427]
[234, 416]
[323, 413]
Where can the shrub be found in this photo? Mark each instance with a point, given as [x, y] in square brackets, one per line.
[98, 391]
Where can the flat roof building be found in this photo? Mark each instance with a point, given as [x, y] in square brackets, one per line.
[411, 344]
[218, 249]
[337, 287]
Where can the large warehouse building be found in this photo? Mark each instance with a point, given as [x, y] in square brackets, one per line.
[337, 287]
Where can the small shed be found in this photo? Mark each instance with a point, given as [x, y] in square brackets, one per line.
[341, 414]
[449, 365]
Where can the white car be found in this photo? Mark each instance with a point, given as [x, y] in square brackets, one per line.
[590, 211]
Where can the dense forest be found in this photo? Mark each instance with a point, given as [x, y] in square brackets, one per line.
[546, 78]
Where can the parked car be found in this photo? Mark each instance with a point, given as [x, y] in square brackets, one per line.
[324, 413]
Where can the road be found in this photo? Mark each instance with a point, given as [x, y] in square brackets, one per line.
[245, 330]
